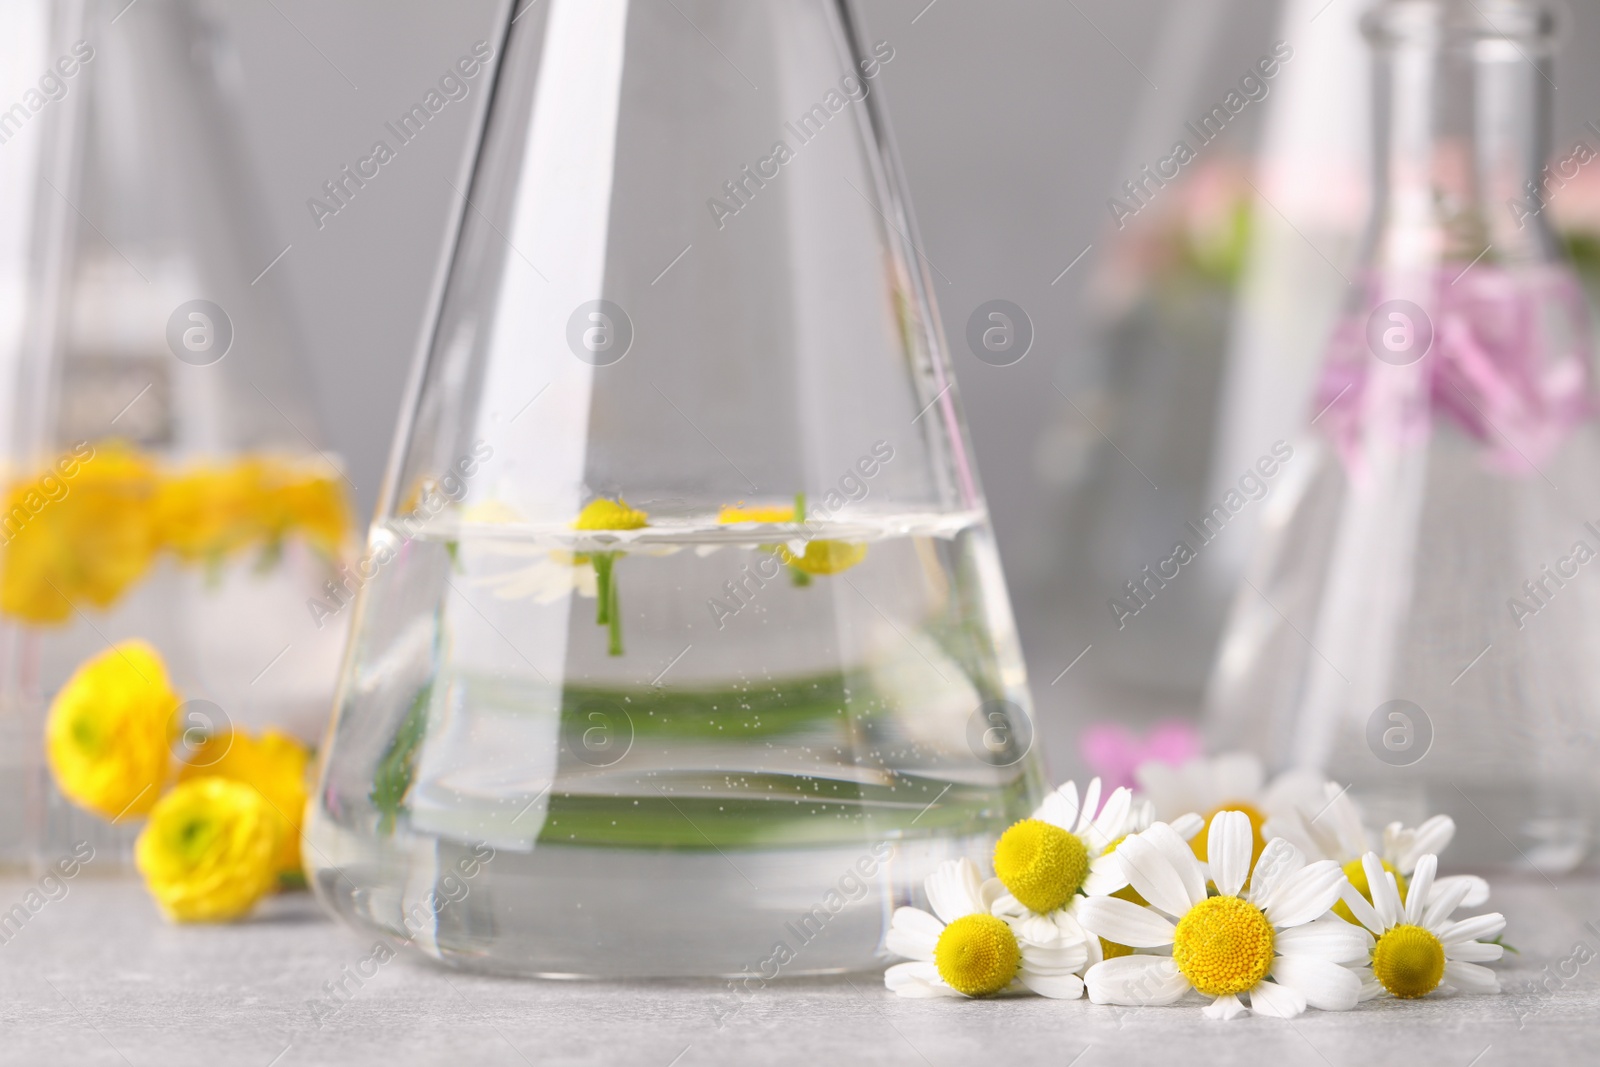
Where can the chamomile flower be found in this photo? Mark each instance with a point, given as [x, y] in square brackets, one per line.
[1332, 829]
[1043, 863]
[1419, 948]
[1233, 781]
[1278, 944]
[961, 949]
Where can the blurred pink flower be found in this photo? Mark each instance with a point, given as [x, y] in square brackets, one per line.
[1113, 751]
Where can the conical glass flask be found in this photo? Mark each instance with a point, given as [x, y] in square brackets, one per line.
[690, 639]
[1421, 622]
[163, 477]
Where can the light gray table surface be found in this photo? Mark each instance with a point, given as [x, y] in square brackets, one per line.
[98, 977]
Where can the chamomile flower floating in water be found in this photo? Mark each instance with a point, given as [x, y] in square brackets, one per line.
[963, 950]
[1278, 944]
[1419, 948]
[598, 515]
[1332, 830]
[1233, 781]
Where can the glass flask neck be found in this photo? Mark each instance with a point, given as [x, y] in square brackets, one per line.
[1462, 96]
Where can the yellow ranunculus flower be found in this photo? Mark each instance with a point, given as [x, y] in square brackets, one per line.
[210, 849]
[275, 764]
[85, 548]
[211, 512]
[109, 733]
[208, 512]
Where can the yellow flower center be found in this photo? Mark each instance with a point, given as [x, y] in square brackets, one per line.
[1200, 842]
[1223, 945]
[977, 955]
[1408, 961]
[605, 514]
[1040, 864]
[1358, 878]
[768, 513]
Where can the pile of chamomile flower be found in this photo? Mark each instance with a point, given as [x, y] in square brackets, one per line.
[1273, 901]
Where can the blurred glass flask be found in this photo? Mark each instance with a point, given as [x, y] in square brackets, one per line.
[694, 640]
[1422, 619]
[153, 342]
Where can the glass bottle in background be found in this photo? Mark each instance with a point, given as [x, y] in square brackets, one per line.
[1421, 620]
[1206, 297]
[164, 478]
[691, 614]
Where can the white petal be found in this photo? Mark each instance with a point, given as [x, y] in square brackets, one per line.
[1421, 888]
[1385, 894]
[1135, 981]
[1441, 903]
[1279, 860]
[1477, 889]
[1005, 905]
[1189, 825]
[913, 933]
[1091, 804]
[1112, 822]
[1370, 986]
[916, 980]
[1228, 851]
[1474, 952]
[1323, 984]
[1060, 808]
[1040, 929]
[1361, 908]
[1431, 837]
[1190, 871]
[1054, 986]
[1123, 922]
[1060, 957]
[1278, 1001]
[1153, 875]
[1330, 939]
[990, 892]
[1225, 1007]
[954, 890]
[1105, 877]
[1300, 788]
[1470, 978]
[1307, 894]
[1474, 929]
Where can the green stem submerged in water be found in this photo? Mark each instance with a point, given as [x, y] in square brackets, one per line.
[607, 610]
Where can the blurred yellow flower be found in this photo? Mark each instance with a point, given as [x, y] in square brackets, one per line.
[603, 514]
[206, 513]
[209, 851]
[275, 764]
[772, 513]
[825, 557]
[210, 512]
[108, 737]
[88, 546]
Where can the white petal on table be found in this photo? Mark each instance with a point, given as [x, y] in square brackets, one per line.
[1054, 986]
[1225, 1007]
[1123, 922]
[1470, 978]
[1136, 981]
[1279, 1001]
[1323, 984]
[916, 980]
[1474, 952]
[913, 933]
